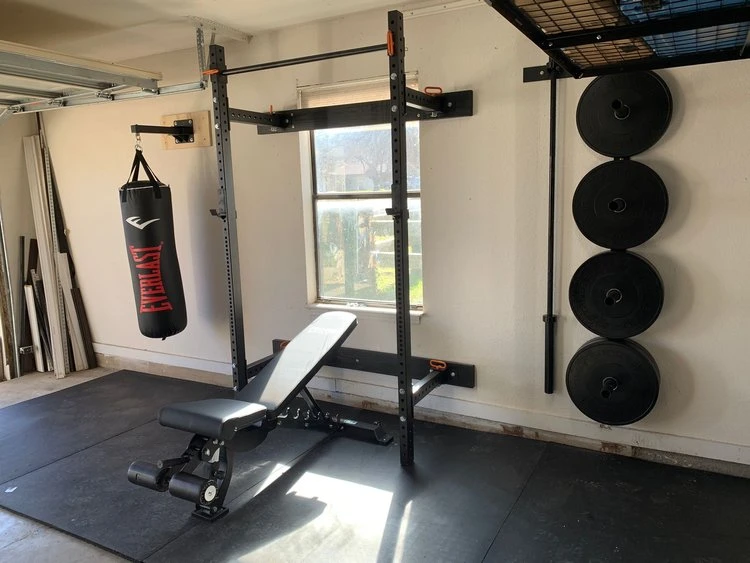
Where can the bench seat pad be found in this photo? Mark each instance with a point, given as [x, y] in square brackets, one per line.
[212, 418]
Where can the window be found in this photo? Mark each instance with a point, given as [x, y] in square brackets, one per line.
[351, 189]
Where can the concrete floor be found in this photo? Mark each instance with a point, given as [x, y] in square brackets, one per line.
[22, 539]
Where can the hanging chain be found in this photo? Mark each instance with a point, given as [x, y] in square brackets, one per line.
[138, 145]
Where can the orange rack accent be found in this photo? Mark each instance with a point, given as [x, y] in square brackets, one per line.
[438, 365]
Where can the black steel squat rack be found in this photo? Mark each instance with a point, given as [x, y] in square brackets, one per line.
[404, 105]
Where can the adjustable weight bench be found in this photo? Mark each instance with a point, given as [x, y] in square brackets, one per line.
[223, 426]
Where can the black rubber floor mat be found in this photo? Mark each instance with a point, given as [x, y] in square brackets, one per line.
[286, 496]
[352, 501]
[88, 494]
[43, 430]
[588, 506]
[470, 495]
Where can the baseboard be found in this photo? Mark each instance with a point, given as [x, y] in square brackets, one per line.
[678, 450]
[167, 360]
[730, 459]
[725, 467]
[115, 357]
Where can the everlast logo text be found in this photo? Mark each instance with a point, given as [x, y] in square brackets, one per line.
[148, 262]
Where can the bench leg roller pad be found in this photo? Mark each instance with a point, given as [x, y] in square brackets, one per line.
[203, 492]
[148, 475]
[193, 488]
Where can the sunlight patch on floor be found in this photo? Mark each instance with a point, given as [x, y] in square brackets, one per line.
[352, 521]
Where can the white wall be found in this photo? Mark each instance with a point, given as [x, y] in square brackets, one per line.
[92, 150]
[15, 201]
[484, 228]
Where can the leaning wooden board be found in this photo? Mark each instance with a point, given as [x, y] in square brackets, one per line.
[71, 314]
[36, 340]
[37, 188]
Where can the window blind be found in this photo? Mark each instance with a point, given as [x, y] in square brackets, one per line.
[351, 92]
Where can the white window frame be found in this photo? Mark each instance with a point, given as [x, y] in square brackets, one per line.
[308, 204]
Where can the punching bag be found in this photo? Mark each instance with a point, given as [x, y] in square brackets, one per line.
[146, 207]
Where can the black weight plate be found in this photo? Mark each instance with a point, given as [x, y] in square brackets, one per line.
[616, 294]
[620, 204]
[621, 115]
[613, 382]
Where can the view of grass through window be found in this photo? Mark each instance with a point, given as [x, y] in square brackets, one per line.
[354, 236]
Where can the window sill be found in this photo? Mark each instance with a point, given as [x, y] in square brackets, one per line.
[366, 312]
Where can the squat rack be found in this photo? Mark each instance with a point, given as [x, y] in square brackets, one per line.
[404, 104]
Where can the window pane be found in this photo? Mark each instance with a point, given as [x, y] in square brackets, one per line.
[356, 251]
[358, 159]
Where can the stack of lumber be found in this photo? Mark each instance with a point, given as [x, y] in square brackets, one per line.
[60, 336]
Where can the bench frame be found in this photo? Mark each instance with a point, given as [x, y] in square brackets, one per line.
[208, 492]
[203, 472]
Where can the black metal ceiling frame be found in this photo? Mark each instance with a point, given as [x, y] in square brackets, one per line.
[404, 104]
[553, 44]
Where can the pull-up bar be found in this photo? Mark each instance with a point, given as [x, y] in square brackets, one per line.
[307, 59]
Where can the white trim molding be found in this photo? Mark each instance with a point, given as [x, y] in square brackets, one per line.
[212, 366]
[532, 424]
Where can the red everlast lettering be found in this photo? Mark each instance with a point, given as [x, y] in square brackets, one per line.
[149, 256]
[153, 296]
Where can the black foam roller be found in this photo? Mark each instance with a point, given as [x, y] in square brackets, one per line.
[189, 487]
[147, 475]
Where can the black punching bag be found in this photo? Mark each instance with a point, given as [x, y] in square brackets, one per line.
[149, 235]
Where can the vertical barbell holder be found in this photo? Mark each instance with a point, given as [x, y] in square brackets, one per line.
[550, 319]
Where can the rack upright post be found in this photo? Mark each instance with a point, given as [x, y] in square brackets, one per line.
[227, 212]
[400, 213]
